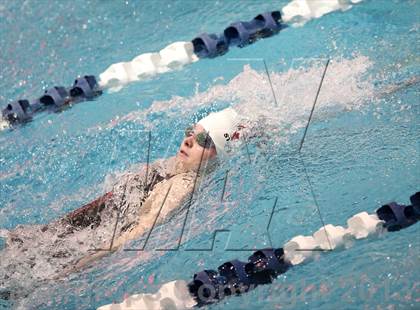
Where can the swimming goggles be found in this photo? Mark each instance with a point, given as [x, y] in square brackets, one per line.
[203, 139]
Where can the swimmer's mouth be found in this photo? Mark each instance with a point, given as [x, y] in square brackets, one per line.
[183, 153]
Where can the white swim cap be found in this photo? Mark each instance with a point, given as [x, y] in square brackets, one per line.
[222, 127]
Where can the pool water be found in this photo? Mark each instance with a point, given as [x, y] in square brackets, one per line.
[361, 149]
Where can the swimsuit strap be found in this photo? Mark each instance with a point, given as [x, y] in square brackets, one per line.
[89, 213]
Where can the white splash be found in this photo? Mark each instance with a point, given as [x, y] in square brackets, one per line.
[346, 87]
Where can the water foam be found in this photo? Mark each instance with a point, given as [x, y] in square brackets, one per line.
[346, 87]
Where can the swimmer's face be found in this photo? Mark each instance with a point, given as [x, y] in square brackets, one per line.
[191, 153]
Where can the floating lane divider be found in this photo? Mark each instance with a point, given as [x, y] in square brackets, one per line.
[54, 99]
[263, 266]
[172, 57]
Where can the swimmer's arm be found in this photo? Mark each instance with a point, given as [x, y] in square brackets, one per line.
[165, 198]
[83, 216]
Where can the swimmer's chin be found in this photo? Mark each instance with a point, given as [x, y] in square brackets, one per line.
[183, 164]
[180, 158]
[180, 162]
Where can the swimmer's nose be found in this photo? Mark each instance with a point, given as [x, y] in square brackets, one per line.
[189, 141]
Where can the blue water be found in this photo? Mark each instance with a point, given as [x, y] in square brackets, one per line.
[357, 158]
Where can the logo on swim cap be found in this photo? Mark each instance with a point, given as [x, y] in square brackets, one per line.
[230, 138]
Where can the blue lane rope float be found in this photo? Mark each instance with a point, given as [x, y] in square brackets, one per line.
[243, 33]
[209, 45]
[415, 202]
[55, 96]
[238, 34]
[263, 266]
[85, 87]
[173, 56]
[20, 110]
[397, 217]
[54, 99]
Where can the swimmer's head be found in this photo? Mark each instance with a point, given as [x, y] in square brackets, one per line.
[196, 147]
[208, 138]
[223, 128]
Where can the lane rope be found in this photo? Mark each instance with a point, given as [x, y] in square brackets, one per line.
[172, 57]
[263, 266]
